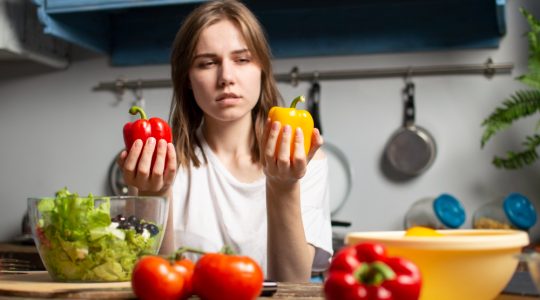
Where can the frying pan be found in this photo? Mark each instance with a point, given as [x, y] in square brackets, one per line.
[411, 150]
[117, 184]
[340, 172]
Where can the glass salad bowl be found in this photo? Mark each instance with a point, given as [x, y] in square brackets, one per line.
[95, 239]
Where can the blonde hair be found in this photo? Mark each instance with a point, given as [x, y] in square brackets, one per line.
[185, 114]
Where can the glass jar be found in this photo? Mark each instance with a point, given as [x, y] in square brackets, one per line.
[514, 211]
[442, 212]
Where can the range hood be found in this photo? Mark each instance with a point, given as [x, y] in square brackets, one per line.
[22, 38]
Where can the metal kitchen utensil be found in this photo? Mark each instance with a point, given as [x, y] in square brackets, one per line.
[411, 149]
[117, 184]
[340, 171]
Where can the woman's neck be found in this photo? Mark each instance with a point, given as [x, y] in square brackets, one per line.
[231, 143]
[229, 139]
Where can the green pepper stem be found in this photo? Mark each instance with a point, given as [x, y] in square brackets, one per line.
[138, 110]
[295, 101]
[374, 273]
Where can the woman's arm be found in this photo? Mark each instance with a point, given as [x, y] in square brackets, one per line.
[290, 257]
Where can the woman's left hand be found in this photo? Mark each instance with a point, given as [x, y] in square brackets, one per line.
[281, 166]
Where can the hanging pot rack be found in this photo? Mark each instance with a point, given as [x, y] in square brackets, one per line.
[488, 69]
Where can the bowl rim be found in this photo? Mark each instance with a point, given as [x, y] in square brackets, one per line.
[454, 239]
[124, 197]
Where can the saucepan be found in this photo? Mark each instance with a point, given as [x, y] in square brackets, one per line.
[411, 150]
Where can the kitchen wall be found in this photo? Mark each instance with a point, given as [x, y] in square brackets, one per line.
[56, 131]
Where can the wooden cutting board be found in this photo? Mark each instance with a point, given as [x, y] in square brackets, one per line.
[40, 285]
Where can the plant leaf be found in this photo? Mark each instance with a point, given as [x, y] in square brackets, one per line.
[514, 161]
[521, 104]
[532, 78]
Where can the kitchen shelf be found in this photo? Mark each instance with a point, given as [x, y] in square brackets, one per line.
[141, 32]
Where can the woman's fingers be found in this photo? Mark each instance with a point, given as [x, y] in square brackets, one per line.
[271, 141]
[264, 141]
[121, 159]
[316, 142]
[130, 162]
[170, 167]
[156, 175]
[284, 152]
[150, 167]
[299, 156]
[143, 168]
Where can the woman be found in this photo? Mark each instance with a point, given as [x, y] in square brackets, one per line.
[225, 182]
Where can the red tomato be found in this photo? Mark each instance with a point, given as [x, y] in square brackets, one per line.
[224, 277]
[185, 267]
[154, 277]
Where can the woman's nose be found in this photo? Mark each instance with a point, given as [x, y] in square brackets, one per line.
[226, 76]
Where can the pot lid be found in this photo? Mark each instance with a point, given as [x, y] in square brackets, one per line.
[449, 211]
[519, 211]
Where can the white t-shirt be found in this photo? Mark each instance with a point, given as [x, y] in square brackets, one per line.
[213, 209]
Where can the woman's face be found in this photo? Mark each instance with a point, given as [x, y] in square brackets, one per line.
[224, 76]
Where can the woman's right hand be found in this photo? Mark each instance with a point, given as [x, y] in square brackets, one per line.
[138, 170]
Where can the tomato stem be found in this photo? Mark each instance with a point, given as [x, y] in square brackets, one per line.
[295, 101]
[178, 254]
[227, 250]
[138, 110]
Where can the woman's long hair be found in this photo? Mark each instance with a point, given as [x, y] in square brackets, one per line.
[185, 115]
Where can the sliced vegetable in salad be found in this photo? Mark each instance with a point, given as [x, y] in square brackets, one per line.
[79, 241]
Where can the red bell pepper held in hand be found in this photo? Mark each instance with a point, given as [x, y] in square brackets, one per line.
[365, 271]
[145, 128]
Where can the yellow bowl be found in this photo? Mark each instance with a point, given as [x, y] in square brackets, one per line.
[462, 264]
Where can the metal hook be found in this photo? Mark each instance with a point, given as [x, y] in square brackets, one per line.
[489, 71]
[408, 75]
[138, 90]
[119, 88]
[294, 76]
[316, 77]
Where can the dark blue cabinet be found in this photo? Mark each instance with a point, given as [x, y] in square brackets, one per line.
[137, 32]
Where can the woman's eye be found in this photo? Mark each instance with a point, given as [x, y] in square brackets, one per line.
[243, 60]
[206, 64]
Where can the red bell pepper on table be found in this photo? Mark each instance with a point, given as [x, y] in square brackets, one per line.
[145, 128]
[365, 271]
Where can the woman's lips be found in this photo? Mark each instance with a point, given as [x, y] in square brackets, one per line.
[226, 96]
[229, 98]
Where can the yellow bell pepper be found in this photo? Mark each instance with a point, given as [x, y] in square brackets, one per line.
[294, 118]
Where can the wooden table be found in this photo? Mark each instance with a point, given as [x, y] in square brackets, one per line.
[38, 285]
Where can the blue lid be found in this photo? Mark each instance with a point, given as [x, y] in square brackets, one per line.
[519, 211]
[449, 211]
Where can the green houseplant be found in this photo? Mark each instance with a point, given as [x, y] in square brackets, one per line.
[522, 103]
